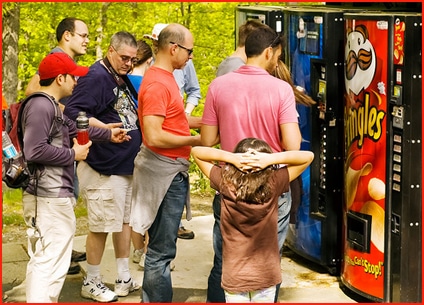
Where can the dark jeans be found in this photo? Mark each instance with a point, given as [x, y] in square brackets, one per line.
[162, 247]
[215, 293]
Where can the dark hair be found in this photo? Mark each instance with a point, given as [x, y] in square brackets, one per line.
[249, 187]
[123, 38]
[144, 52]
[67, 24]
[282, 72]
[246, 28]
[47, 82]
[260, 39]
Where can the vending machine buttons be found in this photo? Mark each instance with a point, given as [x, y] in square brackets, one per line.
[396, 177]
[397, 138]
[396, 187]
[397, 148]
[322, 157]
[397, 158]
[396, 167]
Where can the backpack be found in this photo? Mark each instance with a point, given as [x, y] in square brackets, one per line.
[17, 172]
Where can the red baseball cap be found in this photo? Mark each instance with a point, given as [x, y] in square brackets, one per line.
[58, 63]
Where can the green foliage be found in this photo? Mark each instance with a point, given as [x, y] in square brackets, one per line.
[80, 208]
[212, 24]
[199, 184]
[12, 207]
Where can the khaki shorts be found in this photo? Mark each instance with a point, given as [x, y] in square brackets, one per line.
[108, 199]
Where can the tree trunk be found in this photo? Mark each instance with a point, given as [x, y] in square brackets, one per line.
[10, 35]
[100, 34]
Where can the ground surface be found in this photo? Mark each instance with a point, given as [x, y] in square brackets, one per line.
[200, 206]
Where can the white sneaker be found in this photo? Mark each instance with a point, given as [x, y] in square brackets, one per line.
[96, 290]
[137, 254]
[123, 288]
[141, 261]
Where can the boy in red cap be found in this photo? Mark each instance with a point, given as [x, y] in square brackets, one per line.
[50, 145]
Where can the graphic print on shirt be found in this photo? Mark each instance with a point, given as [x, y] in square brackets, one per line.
[125, 108]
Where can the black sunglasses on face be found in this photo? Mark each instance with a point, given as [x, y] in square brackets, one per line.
[190, 51]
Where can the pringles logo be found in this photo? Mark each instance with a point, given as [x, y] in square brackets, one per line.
[364, 121]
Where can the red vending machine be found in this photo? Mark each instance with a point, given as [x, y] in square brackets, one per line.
[382, 212]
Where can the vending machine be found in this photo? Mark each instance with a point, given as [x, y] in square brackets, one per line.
[315, 58]
[271, 16]
[382, 214]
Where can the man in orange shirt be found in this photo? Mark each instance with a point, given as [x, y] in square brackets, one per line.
[160, 186]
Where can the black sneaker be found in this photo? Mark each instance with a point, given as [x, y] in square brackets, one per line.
[78, 256]
[74, 268]
[183, 233]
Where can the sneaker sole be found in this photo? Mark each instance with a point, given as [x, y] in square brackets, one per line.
[88, 295]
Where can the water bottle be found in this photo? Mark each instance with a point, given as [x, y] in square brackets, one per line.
[9, 150]
[82, 128]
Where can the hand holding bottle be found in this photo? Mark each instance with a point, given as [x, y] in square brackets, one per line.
[81, 151]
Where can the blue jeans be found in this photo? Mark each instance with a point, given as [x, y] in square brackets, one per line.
[162, 247]
[215, 293]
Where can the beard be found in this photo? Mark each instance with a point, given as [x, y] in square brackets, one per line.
[271, 66]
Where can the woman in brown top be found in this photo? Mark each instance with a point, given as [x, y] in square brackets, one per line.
[250, 184]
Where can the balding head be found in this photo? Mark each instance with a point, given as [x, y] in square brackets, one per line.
[175, 33]
[175, 47]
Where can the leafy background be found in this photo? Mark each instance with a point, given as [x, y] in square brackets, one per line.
[212, 24]
[29, 33]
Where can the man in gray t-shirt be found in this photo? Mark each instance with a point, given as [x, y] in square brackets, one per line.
[238, 58]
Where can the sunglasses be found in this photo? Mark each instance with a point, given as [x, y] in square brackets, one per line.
[190, 51]
[275, 42]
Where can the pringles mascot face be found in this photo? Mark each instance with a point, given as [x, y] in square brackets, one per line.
[360, 60]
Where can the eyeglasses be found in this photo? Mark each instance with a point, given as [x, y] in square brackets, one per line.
[83, 36]
[190, 51]
[125, 58]
[275, 42]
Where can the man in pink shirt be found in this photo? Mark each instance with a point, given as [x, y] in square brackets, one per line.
[250, 102]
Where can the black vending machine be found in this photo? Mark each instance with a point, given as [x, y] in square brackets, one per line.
[382, 210]
[272, 16]
[315, 59]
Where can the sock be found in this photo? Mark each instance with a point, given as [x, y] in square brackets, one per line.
[93, 271]
[123, 269]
